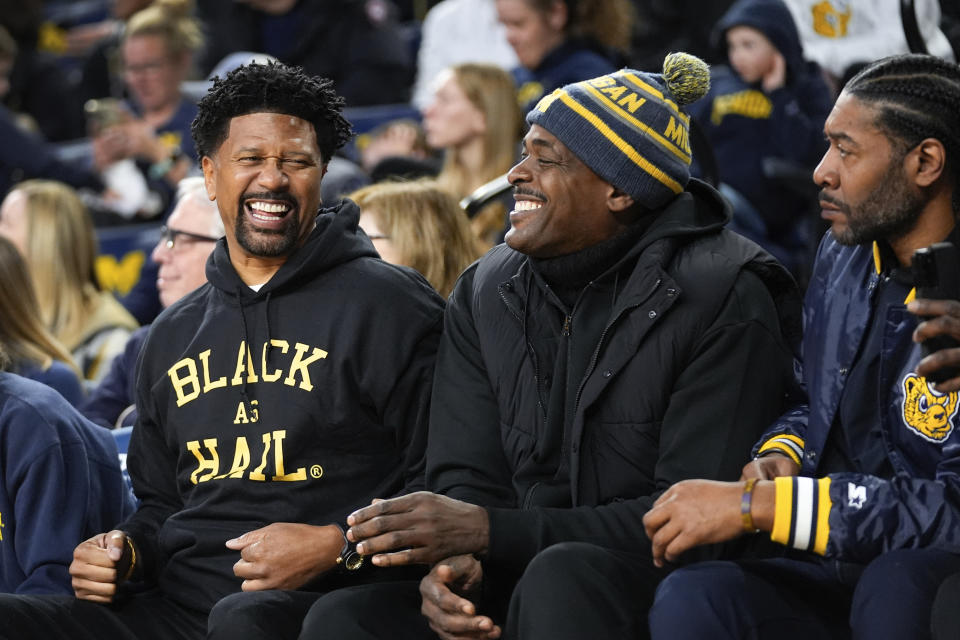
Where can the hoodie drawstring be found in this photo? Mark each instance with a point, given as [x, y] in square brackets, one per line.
[246, 341]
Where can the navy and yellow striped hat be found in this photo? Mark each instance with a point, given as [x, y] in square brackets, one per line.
[628, 126]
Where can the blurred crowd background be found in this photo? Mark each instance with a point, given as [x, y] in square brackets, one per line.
[98, 97]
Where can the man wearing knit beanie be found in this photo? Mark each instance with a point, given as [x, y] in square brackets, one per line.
[620, 341]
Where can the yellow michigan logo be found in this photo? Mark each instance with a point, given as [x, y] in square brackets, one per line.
[119, 275]
[926, 412]
[829, 21]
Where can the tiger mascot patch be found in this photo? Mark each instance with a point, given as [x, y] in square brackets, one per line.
[926, 412]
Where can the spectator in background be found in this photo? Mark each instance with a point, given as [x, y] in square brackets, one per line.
[458, 31]
[474, 119]
[839, 35]
[37, 89]
[154, 129]
[99, 45]
[419, 225]
[8, 54]
[50, 227]
[60, 483]
[356, 43]
[24, 155]
[767, 103]
[32, 351]
[560, 41]
[188, 239]
[662, 26]
[24, 152]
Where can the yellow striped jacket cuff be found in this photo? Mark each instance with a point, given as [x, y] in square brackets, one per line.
[802, 513]
[786, 444]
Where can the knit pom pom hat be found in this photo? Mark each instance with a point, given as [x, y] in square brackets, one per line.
[627, 126]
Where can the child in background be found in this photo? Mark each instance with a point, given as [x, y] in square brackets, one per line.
[769, 103]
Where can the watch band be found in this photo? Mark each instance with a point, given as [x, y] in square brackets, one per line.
[349, 559]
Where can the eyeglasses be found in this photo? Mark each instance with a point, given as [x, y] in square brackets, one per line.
[169, 237]
[151, 68]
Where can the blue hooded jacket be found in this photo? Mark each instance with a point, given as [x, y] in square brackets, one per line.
[745, 125]
[60, 484]
[849, 515]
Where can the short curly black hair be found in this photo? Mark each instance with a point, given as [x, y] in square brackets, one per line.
[270, 88]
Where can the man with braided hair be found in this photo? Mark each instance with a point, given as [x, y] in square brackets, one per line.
[621, 340]
[289, 390]
[860, 480]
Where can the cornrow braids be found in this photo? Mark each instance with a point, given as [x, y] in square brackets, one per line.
[917, 97]
[271, 88]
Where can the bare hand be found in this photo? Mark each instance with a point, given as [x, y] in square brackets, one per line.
[398, 139]
[109, 146]
[98, 566]
[693, 513]
[285, 555]
[418, 528]
[142, 141]
[446, 593]
[945, 322]
[776, 77]
[770, 466]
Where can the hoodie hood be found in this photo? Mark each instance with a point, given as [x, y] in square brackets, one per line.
[335, 239]
[698, 210]
[770, 17]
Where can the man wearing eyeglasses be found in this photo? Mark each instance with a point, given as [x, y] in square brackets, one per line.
[186, 242]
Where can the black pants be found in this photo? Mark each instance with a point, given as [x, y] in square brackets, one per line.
[569, 591]
[891, 597]
[946, 610]
[147, 616]
[279, 615]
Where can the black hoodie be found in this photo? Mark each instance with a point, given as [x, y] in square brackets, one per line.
[331, 415]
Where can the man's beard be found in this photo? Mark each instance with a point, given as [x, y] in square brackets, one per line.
[268, 243]
[890, 211]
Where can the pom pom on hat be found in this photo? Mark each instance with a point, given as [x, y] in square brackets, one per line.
[628, 127]
[687, 77]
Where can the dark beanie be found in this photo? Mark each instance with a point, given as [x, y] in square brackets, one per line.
[627, 126]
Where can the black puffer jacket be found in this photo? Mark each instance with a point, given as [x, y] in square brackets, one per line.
[693, 361]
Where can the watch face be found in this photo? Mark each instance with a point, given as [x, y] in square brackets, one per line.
[352, 561]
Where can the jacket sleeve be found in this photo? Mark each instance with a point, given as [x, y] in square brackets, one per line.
[50, 517]
[32, 156]
[152, 466]
[409, 406]
[730, 388]
[787, 434]
[465, 458]
[856, 517]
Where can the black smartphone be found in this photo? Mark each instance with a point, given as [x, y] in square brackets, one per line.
[936, 275]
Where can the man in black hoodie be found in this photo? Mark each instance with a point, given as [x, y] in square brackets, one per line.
[620, 341]
[274, 400]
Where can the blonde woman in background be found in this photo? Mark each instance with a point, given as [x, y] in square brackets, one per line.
[419, 225]
[153, 127]
[33, 352]
[50, 227]
[562, 41]
[474, 118]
